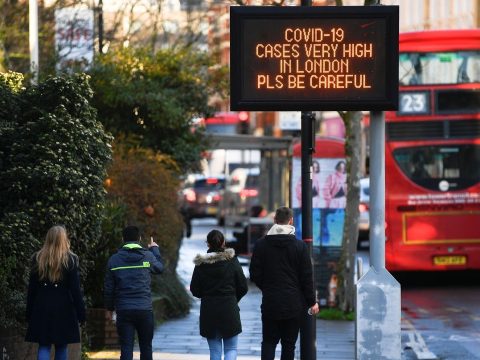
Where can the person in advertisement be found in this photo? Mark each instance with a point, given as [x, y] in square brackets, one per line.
[281, 268]
[316, 187]
[335, 196]
[335, 188]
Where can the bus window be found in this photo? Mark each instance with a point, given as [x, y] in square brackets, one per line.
[439, 68]
[427, 166]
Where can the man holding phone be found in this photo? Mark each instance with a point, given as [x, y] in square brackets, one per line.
[127, 292]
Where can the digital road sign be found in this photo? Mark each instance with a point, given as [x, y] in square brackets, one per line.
[314, 58]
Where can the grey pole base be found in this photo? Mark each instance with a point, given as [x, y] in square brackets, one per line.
[378, 311]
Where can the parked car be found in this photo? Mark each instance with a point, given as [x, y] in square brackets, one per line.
[364, 207]
[201, 197]
[240, 195]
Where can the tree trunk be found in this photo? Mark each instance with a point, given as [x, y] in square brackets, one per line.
[346, 283]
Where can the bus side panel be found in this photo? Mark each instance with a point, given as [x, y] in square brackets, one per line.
[445, 237]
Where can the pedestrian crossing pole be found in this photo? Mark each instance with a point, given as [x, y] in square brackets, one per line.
[308, 348]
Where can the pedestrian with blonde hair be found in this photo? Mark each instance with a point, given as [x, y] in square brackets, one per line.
[55, 304]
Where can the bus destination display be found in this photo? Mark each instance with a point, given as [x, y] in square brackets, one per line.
[314, 58]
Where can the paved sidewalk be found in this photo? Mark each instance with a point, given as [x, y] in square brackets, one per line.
[335, 339]
[179, 339]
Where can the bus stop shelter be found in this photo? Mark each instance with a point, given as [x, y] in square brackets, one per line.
[274, 189]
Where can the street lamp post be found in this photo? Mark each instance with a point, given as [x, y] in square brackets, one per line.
[100, 26]
[33, 38]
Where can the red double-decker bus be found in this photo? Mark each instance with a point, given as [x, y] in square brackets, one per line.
[433, 154]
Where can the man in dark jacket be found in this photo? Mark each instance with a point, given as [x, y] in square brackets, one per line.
[127, 291]
[282, 269]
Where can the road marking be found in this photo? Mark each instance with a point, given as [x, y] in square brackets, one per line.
[452, 309]
[416, 343]
[461, 338]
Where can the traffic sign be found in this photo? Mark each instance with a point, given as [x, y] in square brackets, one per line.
[314, 58]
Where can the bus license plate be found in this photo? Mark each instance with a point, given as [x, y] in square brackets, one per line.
[449, 260]
[212, 210]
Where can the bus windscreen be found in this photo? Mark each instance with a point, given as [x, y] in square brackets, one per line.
[439, 68]
[440, 167]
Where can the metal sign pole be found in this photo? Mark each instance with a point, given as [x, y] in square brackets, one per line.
[308, 348]
[377, 331]
[377, 190]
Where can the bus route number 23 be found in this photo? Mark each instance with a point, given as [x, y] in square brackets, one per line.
[414, 103]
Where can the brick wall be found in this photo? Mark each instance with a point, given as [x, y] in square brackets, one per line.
[101, 331]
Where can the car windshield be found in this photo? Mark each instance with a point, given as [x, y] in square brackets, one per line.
[429, 166]
[252, 181]
[209, 183]
[439, 68]
[366, 190]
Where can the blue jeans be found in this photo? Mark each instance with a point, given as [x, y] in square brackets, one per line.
[229, 348]
[129, 321]
[44, 352]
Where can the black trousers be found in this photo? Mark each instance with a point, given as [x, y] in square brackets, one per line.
[285, 331]
[141, 321]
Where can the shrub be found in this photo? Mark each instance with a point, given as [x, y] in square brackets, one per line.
[146, 182]
[335, 314]
[113, 217]
[52, 167]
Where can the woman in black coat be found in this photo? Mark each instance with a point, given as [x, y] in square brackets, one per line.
[55, 305]
[219, 281]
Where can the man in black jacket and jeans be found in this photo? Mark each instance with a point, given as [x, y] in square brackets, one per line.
[282, 269]
[127, 291]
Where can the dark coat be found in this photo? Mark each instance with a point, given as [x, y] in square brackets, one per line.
[128, 277]
[54, 310]
[282, 269]
[219, 281]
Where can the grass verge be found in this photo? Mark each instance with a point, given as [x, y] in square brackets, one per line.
[335, 314]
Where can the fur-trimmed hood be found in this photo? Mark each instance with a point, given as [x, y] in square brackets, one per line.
[213, 257]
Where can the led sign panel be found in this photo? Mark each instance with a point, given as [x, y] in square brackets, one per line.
[314, 58]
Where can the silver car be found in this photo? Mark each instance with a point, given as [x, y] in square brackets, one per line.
[364, 207]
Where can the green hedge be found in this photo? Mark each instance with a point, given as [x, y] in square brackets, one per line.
[53, 159]
[53, 156]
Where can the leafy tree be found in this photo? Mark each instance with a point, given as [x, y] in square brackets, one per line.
[156, 96]
[53, 156]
